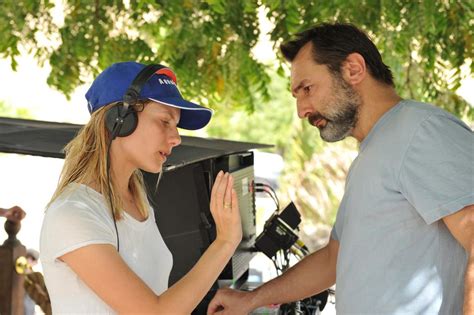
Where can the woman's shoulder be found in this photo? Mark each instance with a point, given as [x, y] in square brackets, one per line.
[79, 192]
[77, 198]
[78, 217]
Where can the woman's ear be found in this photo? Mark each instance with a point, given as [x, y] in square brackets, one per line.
[139, 106]
[354, 69]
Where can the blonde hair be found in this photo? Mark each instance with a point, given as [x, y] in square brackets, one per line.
[86, 162]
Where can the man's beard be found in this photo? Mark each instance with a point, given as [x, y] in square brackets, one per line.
[342, 111]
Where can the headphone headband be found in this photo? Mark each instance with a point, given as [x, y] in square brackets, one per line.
[116, 121]
[133, 92]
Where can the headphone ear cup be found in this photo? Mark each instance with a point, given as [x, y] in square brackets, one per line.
[130, 121]
[111, 118]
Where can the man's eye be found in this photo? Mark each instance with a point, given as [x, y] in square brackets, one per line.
[307, 88]
[166, 122]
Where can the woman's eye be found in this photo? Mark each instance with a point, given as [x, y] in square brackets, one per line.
[166, 122]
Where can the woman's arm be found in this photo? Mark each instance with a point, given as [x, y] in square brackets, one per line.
[104, 271]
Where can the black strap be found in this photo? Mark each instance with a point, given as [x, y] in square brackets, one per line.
[133, 92]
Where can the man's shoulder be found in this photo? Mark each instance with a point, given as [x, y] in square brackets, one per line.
[427, 114]
[413, 114]
[411, 121]
[420, 111]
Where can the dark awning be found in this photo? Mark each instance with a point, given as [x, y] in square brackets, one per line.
[43, 138]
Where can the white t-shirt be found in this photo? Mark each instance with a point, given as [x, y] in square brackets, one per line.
[80, 217]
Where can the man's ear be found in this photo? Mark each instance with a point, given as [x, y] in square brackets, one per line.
[353, 69]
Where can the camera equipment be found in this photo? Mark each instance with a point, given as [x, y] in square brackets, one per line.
[278, 232]
[278, 241]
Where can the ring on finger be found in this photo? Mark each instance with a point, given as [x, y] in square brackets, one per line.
[226, 205]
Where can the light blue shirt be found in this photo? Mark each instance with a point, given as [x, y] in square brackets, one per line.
[396, 255]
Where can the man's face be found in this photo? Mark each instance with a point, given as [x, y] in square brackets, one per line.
[325, 99]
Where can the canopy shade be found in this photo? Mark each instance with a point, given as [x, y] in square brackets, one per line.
[43, 138]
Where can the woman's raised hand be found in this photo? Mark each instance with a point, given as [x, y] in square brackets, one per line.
[225, 210]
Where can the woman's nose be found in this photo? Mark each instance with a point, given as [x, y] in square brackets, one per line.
[175, 138]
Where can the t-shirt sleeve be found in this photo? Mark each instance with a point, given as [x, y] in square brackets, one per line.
[334, 235]
[437, 171]
[73, 225]
[336, 232]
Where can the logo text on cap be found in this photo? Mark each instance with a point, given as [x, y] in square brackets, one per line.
[166, 81]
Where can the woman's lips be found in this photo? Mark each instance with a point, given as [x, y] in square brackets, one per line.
[163, 156]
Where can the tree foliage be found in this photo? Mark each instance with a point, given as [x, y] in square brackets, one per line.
[209, 43]
[10, 111]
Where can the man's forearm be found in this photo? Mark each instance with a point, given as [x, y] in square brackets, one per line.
[312, 275]
[469, 286]
[460, 225]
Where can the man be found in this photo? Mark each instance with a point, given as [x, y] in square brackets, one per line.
[403, 241]
[14, 213]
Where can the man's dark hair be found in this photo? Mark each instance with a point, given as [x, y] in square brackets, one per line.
[332, 43]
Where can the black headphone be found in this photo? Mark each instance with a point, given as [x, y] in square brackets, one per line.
[122, 120]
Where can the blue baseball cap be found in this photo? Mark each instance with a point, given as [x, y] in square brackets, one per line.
[111, 85]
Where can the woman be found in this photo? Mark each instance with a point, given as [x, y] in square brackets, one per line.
[99, 260]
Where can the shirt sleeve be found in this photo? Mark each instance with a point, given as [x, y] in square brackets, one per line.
[437, 171]
[334, 235]
[73, 225]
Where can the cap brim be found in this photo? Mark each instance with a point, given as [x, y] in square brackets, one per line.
[193, 116]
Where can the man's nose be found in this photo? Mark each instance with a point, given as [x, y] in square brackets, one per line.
[304, 108]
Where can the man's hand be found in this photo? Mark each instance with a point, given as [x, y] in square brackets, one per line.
[227, 301]
[292, 285]
[15, 214]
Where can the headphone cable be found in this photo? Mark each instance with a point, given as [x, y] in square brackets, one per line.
[112, 137]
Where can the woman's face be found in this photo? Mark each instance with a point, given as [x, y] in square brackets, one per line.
[156, 135]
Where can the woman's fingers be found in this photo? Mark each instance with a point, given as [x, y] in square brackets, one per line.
[221, 190]
[217, 182]
[235, 201]
[225, 209]
[228, 194]
[224, 204]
